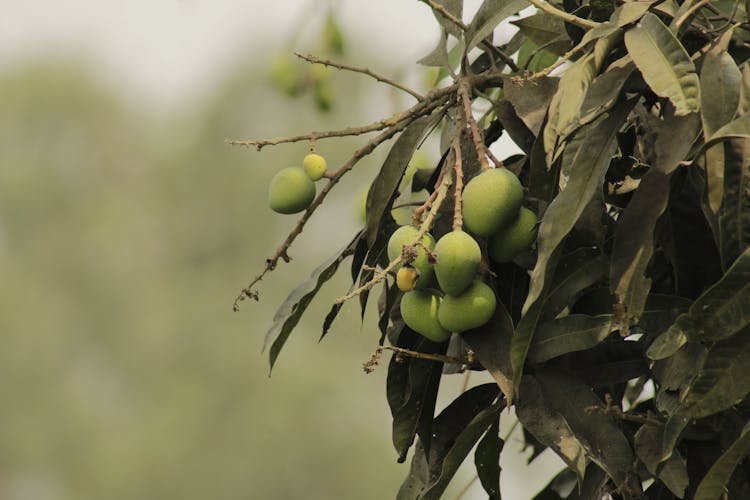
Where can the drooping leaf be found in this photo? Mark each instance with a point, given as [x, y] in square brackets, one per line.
[290, 311]
[490, 14]
[544, 30]
[713, 484]
[575, 272]
[723, 379]
[515, 127]
[720, 83]
[673, 473]
[734, 221]
[454, 433]
[675, 135]
[664, 63]
[438, 57]
[531, 101]
[634, 243]
[411, 388]
[549, 427]
[613, 361]
[487, 460]
[491, 346]
[542, 178]
[383, 189]
[605, 90]
[723, 309]
[576, 332]
[587, 160]
[454, 8]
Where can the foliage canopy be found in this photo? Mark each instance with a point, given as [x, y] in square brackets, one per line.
[622, 336]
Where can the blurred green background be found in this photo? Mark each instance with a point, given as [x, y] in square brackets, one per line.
[126, 229]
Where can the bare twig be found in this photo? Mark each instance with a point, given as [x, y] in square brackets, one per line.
[684, 17]
[423, 355]
[457, 217]
[569, 18]
[281, 252]
[365, 71]
[614, 410]
[562, 60]
[463, 92]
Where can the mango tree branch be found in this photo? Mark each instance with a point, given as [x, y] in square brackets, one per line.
[565, 16]
[365, 71]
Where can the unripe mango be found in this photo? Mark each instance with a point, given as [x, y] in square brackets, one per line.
[509, 242]
[458, 256]
[471, 309]
[491, 201]
[419, 310]
[315, 166]
[290, 191]
[405, 235]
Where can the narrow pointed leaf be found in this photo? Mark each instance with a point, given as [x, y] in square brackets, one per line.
[531, 101]
[664, 63]
[576, 332]
[713, 484]
[487, 460]
[290, 311]
[734, 221]
[490, 14]
[673, 473]
[720, 84]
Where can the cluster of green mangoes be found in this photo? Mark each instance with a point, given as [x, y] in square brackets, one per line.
[442, 292]
[292, 189]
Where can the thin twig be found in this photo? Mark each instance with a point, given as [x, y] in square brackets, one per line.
[457, 217]
[365, 71]
[684, 17]
[562, 60]
[425, 226]
[281, 252]
[463, 92]
[423, 355]
[565, 16]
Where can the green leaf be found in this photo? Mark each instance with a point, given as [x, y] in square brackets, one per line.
[664, 63]
[490, 14]
[734, 220]
[438, 57]
[673, 430]
[487, 460]
[491, 346]
[630, 12]
[634, 243]
[543, 30]
[542, 180]
[739, 128]
[588, 157]
[455, 8]
[513, 125]
[713, 484]
[548, 426]
[531, 101]
[723, 309]
[411, 389]
[723, 380]
[454, 433]
[673, 473]
[605, 90]
[576, 332]
[290, 311]
[575, 272]
[720, 83]
[383, 189]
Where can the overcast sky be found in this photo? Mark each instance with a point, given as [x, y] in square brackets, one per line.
[165, 49]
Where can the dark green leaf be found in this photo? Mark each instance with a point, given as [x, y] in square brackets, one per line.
[515, 127]
[411, 388]
[674, 138]
[673, 473]
[487, 460]
[605, 90]
[542, 179]
[673, 429]
[491, 346]
[588, 159]
[734, 221]
[713, 484]
[290, 311]
[548, 426]
[723, 379]
[722, 310]
[531, 101]
[543, 29]
[720, 83]
[634, 243]
[383, 189]
[614, 361]
[575, 272]
[664, 63]
[454, 433]
[490, 14]
[576, 332]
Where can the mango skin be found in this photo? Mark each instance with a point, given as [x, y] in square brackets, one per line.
[290, 191]
[458, 256]
[315, 166]
[405, 235]
[491, 201]
[471, 309]
[420, 310]
[512, 240]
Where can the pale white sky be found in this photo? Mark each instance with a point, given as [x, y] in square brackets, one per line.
[167, 49]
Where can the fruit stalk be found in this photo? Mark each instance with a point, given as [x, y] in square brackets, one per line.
[457, 217]
[463, 92]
